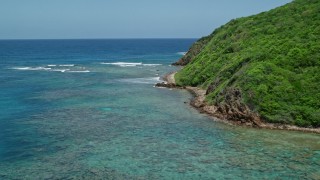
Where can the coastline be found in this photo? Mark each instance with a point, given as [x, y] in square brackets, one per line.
[198, 102]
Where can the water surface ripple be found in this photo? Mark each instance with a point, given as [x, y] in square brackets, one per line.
[103, 119]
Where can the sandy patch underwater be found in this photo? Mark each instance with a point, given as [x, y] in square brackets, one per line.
[111, 122]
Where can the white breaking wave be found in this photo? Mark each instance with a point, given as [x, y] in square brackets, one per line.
[51, 65]
[31, 68]
[48, 69]
[66, 65]
[85, 71]
[151, 64]
[60, 70]
[123, 64]
[149, 80]
[182, 53]
[129, 64]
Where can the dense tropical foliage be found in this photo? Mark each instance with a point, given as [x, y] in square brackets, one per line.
[272, 57]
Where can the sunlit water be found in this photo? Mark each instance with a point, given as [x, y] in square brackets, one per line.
[87, 109]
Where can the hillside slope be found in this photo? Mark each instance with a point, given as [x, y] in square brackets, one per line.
[270, 60]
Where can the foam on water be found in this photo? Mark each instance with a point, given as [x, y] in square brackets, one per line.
[60, 70]
[31, 68]
[151, 64]
[130, 64]
[113, 124]
[148, 80]
[123, 63]
[53, 69]
[182, 53]
[84, 71]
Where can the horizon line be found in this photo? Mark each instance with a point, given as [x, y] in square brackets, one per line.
[13, 39]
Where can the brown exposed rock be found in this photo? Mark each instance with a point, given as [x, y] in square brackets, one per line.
[234, 109]
[168, 85]
[231, 109]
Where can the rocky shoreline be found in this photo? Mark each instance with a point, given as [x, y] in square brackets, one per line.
[232, 112]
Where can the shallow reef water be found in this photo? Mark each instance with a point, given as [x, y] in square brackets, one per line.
[110, 122]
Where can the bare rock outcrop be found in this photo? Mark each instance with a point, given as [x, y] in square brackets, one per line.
[232, 108]
[168, 85]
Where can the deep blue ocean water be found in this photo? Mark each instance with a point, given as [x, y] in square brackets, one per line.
[85, 109]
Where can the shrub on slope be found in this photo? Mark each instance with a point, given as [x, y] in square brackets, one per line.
[273, 58]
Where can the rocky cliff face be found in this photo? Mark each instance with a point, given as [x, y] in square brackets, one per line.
[231, 109]
[234, 109]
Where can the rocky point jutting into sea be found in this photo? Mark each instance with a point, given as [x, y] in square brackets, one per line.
[261, 70]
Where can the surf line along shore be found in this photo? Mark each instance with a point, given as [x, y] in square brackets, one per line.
[238, 115]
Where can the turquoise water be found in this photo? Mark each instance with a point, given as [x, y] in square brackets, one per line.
[70, 110]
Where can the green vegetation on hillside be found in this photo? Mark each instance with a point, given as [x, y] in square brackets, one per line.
[273, 58]
[194, 50]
